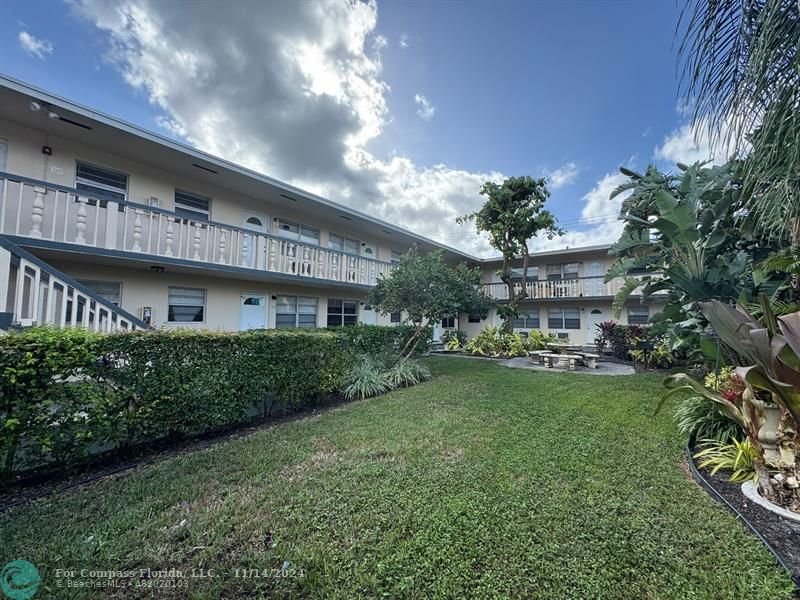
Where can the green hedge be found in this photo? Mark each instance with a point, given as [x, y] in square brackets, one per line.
[377, 339]
[67, 393]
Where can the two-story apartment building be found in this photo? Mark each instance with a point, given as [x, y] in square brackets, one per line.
[106, 225]
[173, 235]
[566, 294]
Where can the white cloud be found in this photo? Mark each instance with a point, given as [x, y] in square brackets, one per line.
[379, 42]
[404, 41]
[681, 145]
[598, 216]
[424, 108]
[562, 176]
[300, 100]
[34, 46]
[693, 142]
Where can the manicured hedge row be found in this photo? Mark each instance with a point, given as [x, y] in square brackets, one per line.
[67, 393]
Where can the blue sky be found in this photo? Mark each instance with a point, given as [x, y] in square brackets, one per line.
[401, 109]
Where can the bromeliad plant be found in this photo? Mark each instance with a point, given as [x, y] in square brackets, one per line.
[768, 409]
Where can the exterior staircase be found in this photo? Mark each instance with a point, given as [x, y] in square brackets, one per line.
[34, 293]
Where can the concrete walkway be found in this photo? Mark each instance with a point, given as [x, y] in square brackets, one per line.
[603, 368]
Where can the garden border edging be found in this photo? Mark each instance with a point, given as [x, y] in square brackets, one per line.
[717, 497]
[750, 490]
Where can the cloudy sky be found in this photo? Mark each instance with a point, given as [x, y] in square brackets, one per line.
[400, 109]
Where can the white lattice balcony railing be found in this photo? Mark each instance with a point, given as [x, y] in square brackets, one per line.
[35, 209]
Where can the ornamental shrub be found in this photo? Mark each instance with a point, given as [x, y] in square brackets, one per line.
[67, 393]
[496, 342]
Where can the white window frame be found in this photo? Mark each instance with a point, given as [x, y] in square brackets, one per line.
[102, 187]
[298, 235]
[528, 315]
[296, 312]
[563, 318]
[170, 303]
[192, 213]
[560, 272]
[343, 245]
[93, 284]
[644, 312]
[533, 273]
[341, 314]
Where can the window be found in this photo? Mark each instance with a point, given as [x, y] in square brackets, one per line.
[527, 320]
[396, 317]
[449, 323]
[108, 290]
[472, 319]
[562, 271]
[101, 182]
[638, 315]
[396, 255]
[301, 233]
[192, 206]
[564, 318]
[342, 312]
[295, 311]
[186, 305]
[343, 244]
[533, 274]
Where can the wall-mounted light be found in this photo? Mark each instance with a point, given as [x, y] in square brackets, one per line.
[34, 106]
[52, 115]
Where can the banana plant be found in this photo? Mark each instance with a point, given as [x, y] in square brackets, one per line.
[769, 409]
[689, 236]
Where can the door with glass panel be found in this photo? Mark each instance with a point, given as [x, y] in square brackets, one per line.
[254, 255]
[252, 311]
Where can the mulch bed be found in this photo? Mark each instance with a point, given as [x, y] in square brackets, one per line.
[781, 536]
[39, 484]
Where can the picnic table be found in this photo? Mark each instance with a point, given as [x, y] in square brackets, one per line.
[567, 360]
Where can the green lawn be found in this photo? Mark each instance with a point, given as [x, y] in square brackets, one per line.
[485, 482]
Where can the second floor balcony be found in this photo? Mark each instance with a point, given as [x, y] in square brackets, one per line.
[580, 287]
[40, 211]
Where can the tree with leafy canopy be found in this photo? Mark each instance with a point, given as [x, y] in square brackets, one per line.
[427, 290]
[512, 215]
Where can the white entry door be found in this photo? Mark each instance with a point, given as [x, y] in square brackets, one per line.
[594, 281]
[368, 315]
[369, 251]
[252, 311]
[594, 319]
[256, 245]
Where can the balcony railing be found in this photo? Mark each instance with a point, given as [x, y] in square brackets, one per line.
[582, 287]
[40, 210]
[34, 293]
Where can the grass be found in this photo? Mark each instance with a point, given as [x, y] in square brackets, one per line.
[485, 482]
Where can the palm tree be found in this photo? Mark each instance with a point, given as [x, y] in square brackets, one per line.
[741, 69]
